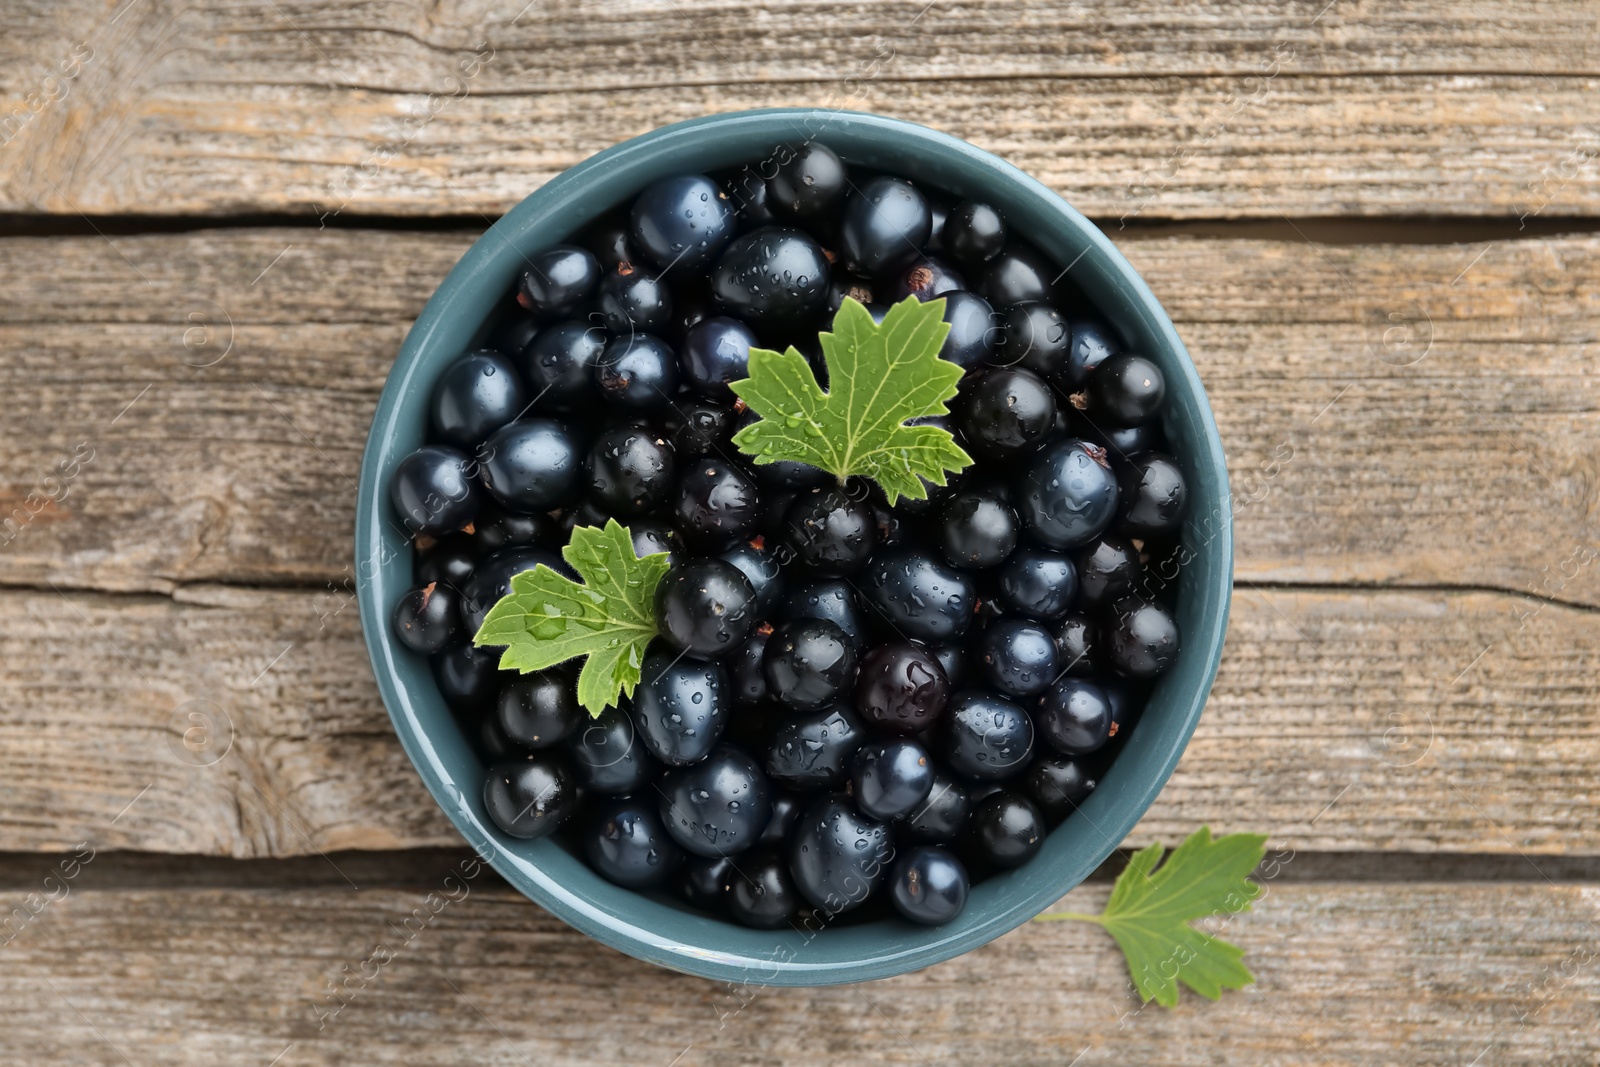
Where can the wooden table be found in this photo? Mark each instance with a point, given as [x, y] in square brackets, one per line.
[1374, 225]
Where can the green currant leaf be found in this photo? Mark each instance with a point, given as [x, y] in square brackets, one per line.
[1150, 911]
[878, 378]
[548, 619]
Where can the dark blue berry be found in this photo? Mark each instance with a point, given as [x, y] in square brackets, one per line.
[631, 471]
[717, 807]
[1126, 390]
[1056, 785]
[433, 491]
[558, 281]
[428, 619]
[974, 233]
[1006, 830]
[1036, 338]
[808, 664]
[608, 756]
[1093, 342]
[1074, 716]
[1037, 583]
[451, 560]
[628, 845]
[682, 223]
[530, 797]
[1008, 412]
[540, 710]
[928, 886]
[705, 607]
[717, 504]
[559, 366]
[813, 751]
[475, 396]
[638, 372]
[987, 738]
[468, 677]
[632, 301]
[1017, 276]
[832, 599]
[1078, 643]
[918, 595]
[680, 707]
[831, 531]
[901, 688]
[532, 465]
[808, 185]
[1141, 639]
[701, 429]
[885, 225]
[1154, 495]
[705, 881]
[716, 351]
[744, 670]
[891, 778]
[1068, 495]
[1108, 570]
[942, 814]
[651, 536]
[761, 893]
[838, 856]
[762, 567]
[1019, 657]
[775, 280]
[976, 531]
[975, 330]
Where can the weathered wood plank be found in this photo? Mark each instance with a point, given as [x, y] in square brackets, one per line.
[1340, 721]
[251, 394]
[1209, 110]
[1346, 974]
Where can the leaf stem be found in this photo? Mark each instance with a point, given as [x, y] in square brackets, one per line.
[1074, 916]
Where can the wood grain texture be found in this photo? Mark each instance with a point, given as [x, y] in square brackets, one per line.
[1222, 110]
[1340, 721]
[1407, 415]
[1346, 975]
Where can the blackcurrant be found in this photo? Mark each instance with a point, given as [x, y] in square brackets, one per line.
[1068, 495]
[975, 330]
[433, 491]
[540, 710]
[976, 531]
[1006, 830]
[1108, 570]
[831, 531]
[973, 232]
[762, 566]
[705, 607]
[468, 677]
[717, 504]
[901, 688]
[1019, 657]
[680, 707]
[761, 893]
[885, 224]
[1008, 412]
[716, 351]
[814, 751]
[749, 681]
[925, 278]
[682, 223]
[942, 814]
[608, 757]
[530, 797]
[1056, 785]
[451, 559]
[1079, 645]
[832, 599]
[987, 738]
[1016, 276]
[774, 279]
[717, 807]
[631, 471]
[808, 664]
[559, 366]
[1126, 390]
[1037, 583]
[1141, 639]
[891, 778]
[838, 856]
[475, 396]
[637, 371]
[808, 185]
[627, 844]
[1074, 716]
[558, 281]
[532, 465]
[428, 619]
[1154, 494]
[929, 885]
[632, 301]
[918, 595]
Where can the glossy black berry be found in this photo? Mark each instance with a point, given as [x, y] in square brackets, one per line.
[1079, 644]
[1068, 495]
[468, 677]
[608, 756]
[891, 778]
[717, 503]
[637, 371]
[1019, 657]
[1017, 276]
[1008, 412]
[514, 334]
[631, 471]
[774, 280]
[942, 814]
[475, 396]
[762, 566]
[901, 688]
[920, 597]
[428, 619]
[627, 844]
[926, 278]
[701, 429]
[832, 599]
[612, 244]
[808, 664]
[929, 885]
[1037, 583]
[558, 281]
[975, 331]
[885, 225]
[717, 807]
[953, 659]
[786, 808]
[451, 560]
[1154, 495]
[541, 709]
[1093, 342]
[1108, 570]
[1056, 785]
[751, 199]
[492, 580]
[651, 536]
[1126, 390]
[530, 797]
[1036, 338]
[808, 185]
[532, 465]
[704, 881]
[682, 223]
[1074, 716]
[632, 301]
[680, 707]
[559, 366]
[813, 751]
[748, 680]
[1006, 830]
[976, 531]
[1141, 639]
[831, 531]
[716, 351]
[495, 528]
[838, 856]
[705, 607]
[433, 492]
[761, 893]
[974, 233]
[987, 738]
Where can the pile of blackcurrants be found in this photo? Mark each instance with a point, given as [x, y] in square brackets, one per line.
[845, 696]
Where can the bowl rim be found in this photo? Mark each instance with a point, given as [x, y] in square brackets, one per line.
[765, 127]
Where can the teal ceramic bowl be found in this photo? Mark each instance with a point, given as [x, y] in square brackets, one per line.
[655, 928]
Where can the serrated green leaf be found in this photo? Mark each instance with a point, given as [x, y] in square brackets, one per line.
[879, 376]
[548, 618]
[1150, 911]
